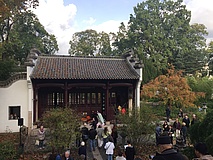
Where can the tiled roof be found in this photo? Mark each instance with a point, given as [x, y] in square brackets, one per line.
[58, 67]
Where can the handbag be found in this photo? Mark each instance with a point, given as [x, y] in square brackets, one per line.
[37, 142]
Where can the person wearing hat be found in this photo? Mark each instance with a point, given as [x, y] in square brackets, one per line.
[201, 151]
[166, 150]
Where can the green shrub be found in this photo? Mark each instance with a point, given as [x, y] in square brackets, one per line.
[63, 124]
[137, 125]
[194, 134]
[189, 152]
[206, 126]
[209, 141]
[203, 131]
[8, 151]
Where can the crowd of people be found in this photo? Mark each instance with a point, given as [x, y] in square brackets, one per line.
[104, 137]
[97, 136]
[100, 136]
[177, 129]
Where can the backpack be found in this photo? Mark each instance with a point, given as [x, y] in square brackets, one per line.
[58, 157]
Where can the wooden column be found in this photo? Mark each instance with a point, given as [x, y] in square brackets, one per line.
[130, 97]
[107, 100]
[66, 95]
[35, 103]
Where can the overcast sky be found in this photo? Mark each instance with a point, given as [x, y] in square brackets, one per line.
[65, 17]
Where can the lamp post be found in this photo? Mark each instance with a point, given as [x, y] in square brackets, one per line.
[20, 123]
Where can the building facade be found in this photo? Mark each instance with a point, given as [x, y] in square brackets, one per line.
[85, 84]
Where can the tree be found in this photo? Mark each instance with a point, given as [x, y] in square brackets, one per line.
[26, 33]
[160, 31]
[6, 69]
[13, 7]
[120, 40]
[84, 43]
[21, 31]
[191, 59]
[137, 124]
[104, 47]
[170, 87]
[90, 43]
[9, 11]
[31, 33]
[203, 84]
[209, 57]
[64, 126]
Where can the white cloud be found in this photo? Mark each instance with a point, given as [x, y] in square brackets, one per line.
[202, 12]
[57, 19]
[108, 26]
[90, 21]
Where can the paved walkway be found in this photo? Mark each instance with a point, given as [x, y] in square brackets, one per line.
[97, 154]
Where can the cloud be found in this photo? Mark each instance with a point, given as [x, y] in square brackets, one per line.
[108, 26]
[90, 21]
[57, 19]
[201, 11]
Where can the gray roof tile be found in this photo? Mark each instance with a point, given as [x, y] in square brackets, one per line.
[62, 67]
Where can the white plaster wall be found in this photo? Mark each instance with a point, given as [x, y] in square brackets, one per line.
[14, 95]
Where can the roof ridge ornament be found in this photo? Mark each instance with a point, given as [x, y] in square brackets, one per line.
[128, 53]
[32, 56]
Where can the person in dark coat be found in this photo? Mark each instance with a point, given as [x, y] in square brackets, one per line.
[168, 111]
[180, 113]
[94, 123]
[194, 119]
[158, 131]
[92, 136]
[129, 151]
[82, 150]
[171, 133]
[85, 133]
[184, 132]
[165, 127]
[186, 120]
[114, 134]
[166, 150]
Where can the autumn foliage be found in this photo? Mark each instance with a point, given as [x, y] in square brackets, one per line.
[172, 88]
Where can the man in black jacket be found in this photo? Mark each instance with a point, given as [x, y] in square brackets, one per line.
[129, 151]
[85, 133]
[166, 150]
[92, 138]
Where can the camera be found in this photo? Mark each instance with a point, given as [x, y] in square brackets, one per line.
[151, 156]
